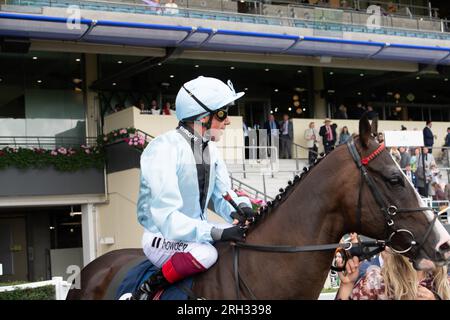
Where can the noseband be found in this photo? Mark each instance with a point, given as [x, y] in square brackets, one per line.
[389, 211]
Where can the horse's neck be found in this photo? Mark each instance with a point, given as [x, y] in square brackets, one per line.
[309, 215]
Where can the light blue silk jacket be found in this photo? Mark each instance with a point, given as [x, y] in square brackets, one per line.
[169, 194]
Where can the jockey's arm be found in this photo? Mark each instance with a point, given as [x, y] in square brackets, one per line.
[223, 184]
[160, 198]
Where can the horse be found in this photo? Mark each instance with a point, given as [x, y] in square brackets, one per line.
[356, 187]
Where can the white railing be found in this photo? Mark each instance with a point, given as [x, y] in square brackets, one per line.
[61, 287]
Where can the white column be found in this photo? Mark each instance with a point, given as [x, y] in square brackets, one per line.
[88, 232]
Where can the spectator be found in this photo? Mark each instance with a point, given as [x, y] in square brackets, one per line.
[410, 175]
[414, 159]
[405, 157]
[447, 191]
[328, 134]
[423, 174]
[154, 5]
[380, 137]
[171, 7]
[344, 136]
[166, 110]
[447, 138]
[311, 137]
[371, 114]
[154, 108]
[396, 279]
[246, 138]
[359, 111]
[341, 113]
[395, 154]
[428, 137]
[273, 130]
[286, 137]
[439, 195]
[141, 106]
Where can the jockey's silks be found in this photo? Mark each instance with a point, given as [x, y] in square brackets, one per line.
[169, 200]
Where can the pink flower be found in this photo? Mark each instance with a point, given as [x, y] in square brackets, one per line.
[87, 151]
[130, 143]
[135, 143]
[105, 138]
[62, 150]
[54, 153]
[115, 134]
[123, 131]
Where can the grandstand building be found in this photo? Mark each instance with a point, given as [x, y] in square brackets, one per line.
[71, 71]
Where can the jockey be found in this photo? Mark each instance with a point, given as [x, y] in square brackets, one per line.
[181, 171]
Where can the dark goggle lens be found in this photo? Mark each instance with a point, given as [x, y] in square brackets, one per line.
[221, 115]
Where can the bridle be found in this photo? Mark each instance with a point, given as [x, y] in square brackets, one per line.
[389, 211]
[362, 249]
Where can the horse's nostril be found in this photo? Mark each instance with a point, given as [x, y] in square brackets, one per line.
[444, 247]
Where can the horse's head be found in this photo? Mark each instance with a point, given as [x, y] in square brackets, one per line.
[388, 207]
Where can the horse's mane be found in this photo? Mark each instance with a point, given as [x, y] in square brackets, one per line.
[271, 206]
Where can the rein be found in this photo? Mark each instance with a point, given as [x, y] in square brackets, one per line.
[361, 249]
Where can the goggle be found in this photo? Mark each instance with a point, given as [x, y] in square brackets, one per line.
[221, 114]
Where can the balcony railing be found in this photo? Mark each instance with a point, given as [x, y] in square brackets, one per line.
[353, 19]
[46, 142]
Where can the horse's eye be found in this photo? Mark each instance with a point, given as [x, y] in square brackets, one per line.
[395, 181]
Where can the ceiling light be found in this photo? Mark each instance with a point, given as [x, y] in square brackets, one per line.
[114, 83]
[331, 91]
[304, 109]
[232, 68]
[359, 93]
[119, 62]
[196, 66]
[331, 73]
[271, 111]
[77, 59]
[1, 79]
[266, 69]
[35, 58]
[52, 228]
[434, 96]
[172, 76]
[290, 109]
[39, 81]
[361, 74]
[299, 71]
[71, 230]
[159, 64]
[245, 89]
[276, 109]
[276, 90]
[446, 79]
[417, 78]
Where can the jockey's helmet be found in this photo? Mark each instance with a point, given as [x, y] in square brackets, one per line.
[202, 96]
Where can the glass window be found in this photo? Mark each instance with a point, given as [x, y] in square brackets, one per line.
[41, 95]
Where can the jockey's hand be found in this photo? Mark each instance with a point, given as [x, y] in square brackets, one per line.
[243, 219]
[235, 233]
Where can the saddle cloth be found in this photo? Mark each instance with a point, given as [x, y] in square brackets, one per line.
[141, 269]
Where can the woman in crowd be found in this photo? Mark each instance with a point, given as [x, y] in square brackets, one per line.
[396, 279]
[166, 109]
[345, 135]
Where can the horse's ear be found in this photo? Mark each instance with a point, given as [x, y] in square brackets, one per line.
[364, 130]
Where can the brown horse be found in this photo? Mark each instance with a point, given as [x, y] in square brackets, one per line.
[319, 207]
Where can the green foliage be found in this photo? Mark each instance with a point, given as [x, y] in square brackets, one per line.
[41, 293]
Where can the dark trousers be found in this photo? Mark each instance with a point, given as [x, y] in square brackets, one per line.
[312, 154]
[286, 146]
[246, 142]
[423, 191]
[328, 146]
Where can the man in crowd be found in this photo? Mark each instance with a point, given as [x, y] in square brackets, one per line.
[286, 137]
[428, 137]
[273, 130]
[328, 134]
[311, 136]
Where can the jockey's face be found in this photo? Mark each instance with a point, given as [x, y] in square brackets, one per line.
[217, 127]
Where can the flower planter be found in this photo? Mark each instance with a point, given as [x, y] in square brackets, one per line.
[121, 156]
[48, 181]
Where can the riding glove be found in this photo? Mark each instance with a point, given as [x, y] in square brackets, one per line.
[235, 233]
[249, 214]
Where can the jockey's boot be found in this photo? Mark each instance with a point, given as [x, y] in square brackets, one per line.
[150, 287]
